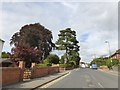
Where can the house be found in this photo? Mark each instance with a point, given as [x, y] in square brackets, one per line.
[116, 55]
[6, 62]
[1, 46]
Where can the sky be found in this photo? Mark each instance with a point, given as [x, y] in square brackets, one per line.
[94, 23]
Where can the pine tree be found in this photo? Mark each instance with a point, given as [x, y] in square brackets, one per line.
[67, 41]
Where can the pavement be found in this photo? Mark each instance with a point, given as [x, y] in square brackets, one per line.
[34, 83]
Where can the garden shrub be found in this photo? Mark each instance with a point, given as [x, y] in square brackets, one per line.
[41, 65]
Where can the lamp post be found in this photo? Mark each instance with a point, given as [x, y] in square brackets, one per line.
[109, 51]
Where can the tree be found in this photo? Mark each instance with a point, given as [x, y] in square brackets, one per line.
[108, 63]
[5, 55]
[62, 60]
[25, 53]
[67, 41]
[36, 36]
[53, 58]
[115, 62]
[99, 61]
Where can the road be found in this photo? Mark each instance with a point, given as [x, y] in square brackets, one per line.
[87, 78]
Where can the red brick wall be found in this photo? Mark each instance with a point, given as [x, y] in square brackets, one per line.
[39, 72]
[53, 70]
[11, 75]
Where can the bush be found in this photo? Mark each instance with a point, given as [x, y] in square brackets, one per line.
[66, 65]
[62, 59]
[108, 63]
[41, 65]
[52, 58]
[69, 65]
[73, 63]
[47, 62]
[5, 55]
[115, 62]
[62, 65]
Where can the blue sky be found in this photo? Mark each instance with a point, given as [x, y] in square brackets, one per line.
[94, 22]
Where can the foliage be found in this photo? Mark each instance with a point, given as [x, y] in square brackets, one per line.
[62, 60]
[66, 65]
[41, 65]
[74, 56]
[98, 61]
[34, 35]
[52, 58]
[103, 62]
[67, 41]
[5, 55]
[47, 62]
[25, 53]
[72, 63]
[108, 63]
[115, 62]
[62, 65]
[69, 65]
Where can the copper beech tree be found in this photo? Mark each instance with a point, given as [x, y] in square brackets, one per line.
[32, 36]
[25, 53]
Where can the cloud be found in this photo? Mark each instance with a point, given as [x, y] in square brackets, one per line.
[59, 1]
[94, 23]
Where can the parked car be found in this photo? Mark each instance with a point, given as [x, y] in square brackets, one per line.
[82, 65]
[94, 66]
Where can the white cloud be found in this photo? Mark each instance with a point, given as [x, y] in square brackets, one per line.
[59, 0]
[97, 20]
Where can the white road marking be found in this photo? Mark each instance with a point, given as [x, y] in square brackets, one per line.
[100, 85]
[97, 82]
[51, 83]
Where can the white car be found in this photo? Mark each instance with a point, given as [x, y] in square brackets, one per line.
[82, 65]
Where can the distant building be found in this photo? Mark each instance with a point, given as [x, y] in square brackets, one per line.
[1, 46]
[116, 55]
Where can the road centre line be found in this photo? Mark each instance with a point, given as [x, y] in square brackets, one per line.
[97, 82]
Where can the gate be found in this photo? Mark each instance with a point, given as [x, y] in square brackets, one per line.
[27, 74]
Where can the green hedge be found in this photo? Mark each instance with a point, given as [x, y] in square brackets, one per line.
[66, 65]
[62, 65]
[41, 65]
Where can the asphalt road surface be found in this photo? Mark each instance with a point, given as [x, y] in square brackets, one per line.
[87, 78]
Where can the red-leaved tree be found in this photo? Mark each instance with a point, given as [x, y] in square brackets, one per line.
[25, 53]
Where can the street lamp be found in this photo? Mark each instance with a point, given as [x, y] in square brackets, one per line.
[109, 51]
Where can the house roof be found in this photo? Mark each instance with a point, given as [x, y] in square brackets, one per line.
[5, 60]
[117, 52]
